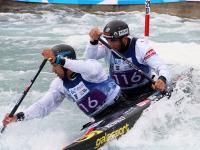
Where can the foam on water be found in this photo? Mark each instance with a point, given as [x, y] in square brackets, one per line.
[168, 124]
[179, 53]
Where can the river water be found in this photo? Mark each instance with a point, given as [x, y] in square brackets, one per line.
[168, 124]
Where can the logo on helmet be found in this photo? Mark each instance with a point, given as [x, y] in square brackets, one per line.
[115, 34]
[123, 32]
[107, 30]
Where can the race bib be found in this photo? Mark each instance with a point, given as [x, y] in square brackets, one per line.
[121, 65]
[92, 102]
[78, 91]
[127, 79]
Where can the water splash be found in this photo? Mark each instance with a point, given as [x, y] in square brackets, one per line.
[168, 124]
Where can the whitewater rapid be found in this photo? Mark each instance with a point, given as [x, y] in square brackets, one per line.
[167, 124]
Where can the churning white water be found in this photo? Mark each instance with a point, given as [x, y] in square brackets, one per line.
[168, 124]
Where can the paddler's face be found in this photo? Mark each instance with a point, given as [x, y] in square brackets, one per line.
[58, 70]
[117, 44]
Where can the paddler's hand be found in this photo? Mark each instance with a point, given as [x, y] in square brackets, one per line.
[94, 34]
[8, 119]
[159, 85]
[48, 54]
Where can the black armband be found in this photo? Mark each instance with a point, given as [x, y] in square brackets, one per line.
[163, 79]
[95, 42]
[20, 116]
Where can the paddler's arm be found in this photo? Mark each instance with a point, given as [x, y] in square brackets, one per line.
[94, 49]
[49, 102]
[8, 119]
[147, 55]
[90, 69]
[18, 117]
[42, 107]
[162, 71]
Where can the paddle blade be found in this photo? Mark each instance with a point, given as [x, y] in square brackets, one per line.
[2, 129]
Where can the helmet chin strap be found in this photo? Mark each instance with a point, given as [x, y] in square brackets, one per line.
[65, 72]
[72, 75]
[123, 46]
